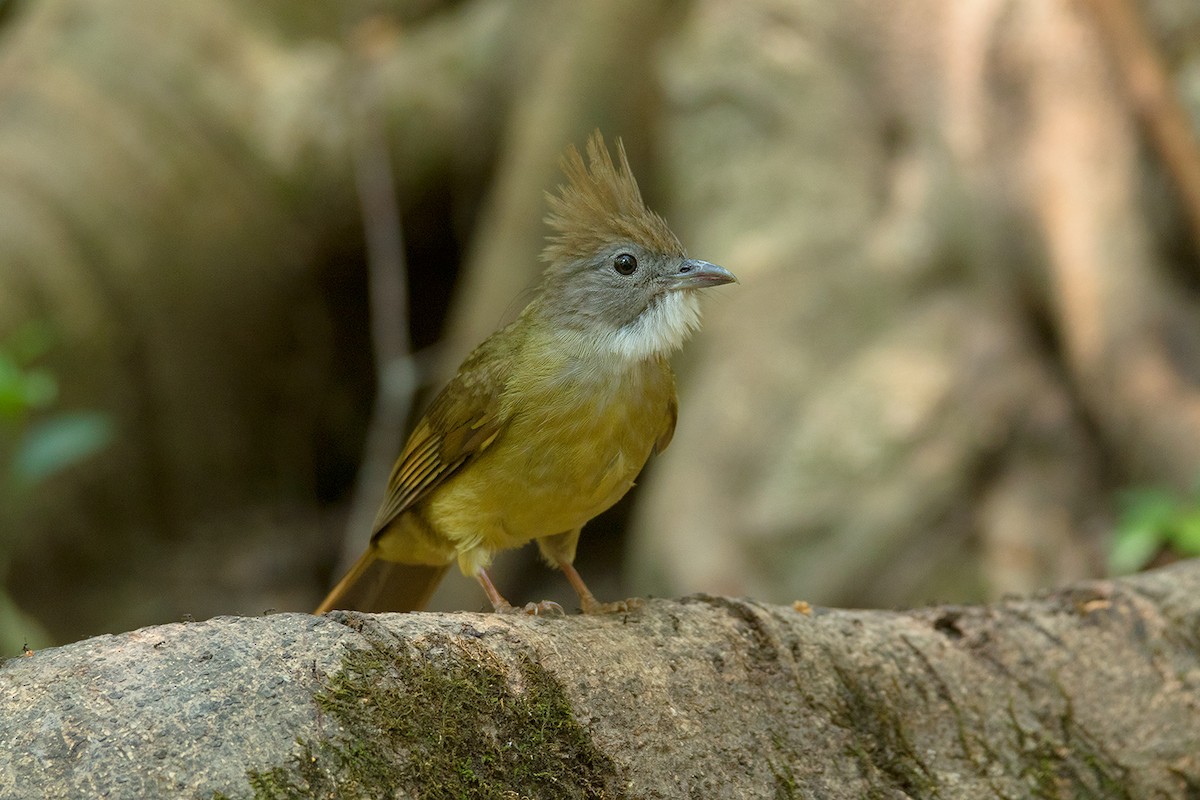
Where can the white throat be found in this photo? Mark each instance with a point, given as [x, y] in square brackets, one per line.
[661, 329]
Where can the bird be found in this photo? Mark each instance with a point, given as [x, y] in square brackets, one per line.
[550, 420]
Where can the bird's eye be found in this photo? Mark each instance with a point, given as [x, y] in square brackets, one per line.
[625, 264]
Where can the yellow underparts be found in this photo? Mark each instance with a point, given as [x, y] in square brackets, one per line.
[576, 439]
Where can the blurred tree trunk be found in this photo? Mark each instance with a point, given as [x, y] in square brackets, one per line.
[178, 208]
[966, 313]
[969, 301]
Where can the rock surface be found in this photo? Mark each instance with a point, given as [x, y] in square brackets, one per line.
[1090, 691]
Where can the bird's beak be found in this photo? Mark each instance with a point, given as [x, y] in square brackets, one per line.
[693, 274]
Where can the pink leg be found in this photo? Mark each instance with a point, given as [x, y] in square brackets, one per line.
[494, 597]
[588, 602]
[502, 606]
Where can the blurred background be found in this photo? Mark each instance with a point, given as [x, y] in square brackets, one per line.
[242, 243]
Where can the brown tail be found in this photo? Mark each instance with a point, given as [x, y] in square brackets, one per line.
[376, 585]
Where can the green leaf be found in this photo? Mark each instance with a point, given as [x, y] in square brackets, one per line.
[24, 390]
[1187, 534]
[12, 389]
[1156, 508]
[57, 442]
[1147, 522]
[1133, 548]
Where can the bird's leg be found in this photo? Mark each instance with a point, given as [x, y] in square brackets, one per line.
[587, 601]
[493, 595]
[559, 551]
[502, 606]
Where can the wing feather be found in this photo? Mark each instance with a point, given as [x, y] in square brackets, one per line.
[462, 422]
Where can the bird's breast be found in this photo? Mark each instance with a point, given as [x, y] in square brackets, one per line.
[577, 438]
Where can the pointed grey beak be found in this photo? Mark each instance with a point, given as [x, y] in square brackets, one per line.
[693, 274]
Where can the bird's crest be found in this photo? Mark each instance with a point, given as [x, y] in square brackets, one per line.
[600, 205]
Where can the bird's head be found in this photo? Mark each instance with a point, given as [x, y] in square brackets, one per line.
[617, 275]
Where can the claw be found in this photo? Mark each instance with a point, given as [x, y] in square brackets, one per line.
[545, 608]
[542, 609]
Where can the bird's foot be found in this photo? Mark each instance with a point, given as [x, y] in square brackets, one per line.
[616, 607]
[545, 608]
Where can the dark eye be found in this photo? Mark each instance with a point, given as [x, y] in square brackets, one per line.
[625, 264]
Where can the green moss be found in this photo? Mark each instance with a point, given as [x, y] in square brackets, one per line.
[881, 744]
[1062, 761]
[443, 719]
[786, 787]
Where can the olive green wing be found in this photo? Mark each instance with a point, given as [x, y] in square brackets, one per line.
[463, 421]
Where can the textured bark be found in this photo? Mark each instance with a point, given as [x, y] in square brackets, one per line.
[1092, 691]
